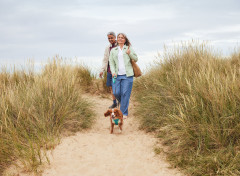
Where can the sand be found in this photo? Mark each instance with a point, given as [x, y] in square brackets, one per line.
[96, 152]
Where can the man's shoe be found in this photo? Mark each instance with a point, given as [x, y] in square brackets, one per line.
[114, 105]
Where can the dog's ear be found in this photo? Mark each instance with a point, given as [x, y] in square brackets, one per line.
[107, 113]
[119, 113]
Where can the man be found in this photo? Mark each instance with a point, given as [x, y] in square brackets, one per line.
[105, 64]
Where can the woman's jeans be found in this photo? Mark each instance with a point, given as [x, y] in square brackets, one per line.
[122, 89]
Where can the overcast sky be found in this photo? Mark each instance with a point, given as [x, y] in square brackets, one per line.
[40, 29]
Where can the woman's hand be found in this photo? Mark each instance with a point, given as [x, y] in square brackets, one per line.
[114, 75]
[128, 50]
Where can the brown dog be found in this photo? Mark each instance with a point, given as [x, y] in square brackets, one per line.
[116, 118]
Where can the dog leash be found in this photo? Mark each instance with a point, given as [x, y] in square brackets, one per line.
[114, 79]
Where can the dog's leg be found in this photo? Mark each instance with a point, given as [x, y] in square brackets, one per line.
[112, 126]
[120, 127]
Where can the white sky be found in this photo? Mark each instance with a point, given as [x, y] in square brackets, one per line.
[41, 29]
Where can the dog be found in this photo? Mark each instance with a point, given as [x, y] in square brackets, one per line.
[116, 118]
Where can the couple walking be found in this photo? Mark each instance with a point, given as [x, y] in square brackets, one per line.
[118, 65]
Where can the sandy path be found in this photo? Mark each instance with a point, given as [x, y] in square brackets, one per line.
[98, 153]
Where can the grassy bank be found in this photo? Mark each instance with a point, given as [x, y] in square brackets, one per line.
[191, 100]
[36, 108]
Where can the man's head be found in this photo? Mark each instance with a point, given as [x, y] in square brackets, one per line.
[111, 37]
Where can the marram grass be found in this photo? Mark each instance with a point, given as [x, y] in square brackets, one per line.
[191, 99]
[36, 108]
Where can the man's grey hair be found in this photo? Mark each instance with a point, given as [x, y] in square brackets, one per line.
[111, 33]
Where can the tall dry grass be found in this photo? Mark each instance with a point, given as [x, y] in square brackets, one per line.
[89, 82]
[36, 108]
[191, 99]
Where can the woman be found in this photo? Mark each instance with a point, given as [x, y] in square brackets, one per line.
[121, 68]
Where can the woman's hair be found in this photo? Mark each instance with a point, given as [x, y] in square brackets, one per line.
[111, 33]
[127, 41]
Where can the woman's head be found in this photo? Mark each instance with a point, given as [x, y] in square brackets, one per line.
[122, 39]
[111, 37]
